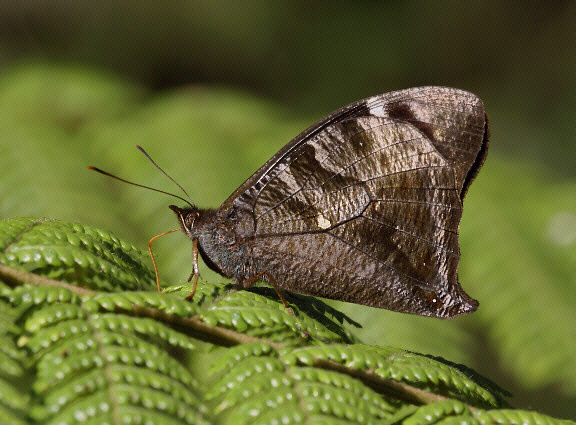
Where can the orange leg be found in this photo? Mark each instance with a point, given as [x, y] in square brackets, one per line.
[154, 260]
[270, 279]
[195, 272]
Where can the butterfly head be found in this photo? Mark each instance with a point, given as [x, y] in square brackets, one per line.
[188, 218]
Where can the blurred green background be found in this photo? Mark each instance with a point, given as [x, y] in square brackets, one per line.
[213, 88]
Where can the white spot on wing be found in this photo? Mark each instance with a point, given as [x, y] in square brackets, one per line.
[377, 109]
[323, 222]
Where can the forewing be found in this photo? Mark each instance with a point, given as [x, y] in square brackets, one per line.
[365, 205]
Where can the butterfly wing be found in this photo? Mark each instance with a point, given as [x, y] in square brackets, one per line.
[365, 205]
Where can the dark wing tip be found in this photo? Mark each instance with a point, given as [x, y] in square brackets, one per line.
[480, 158]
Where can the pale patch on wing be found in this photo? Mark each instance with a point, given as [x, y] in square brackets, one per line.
[323, 222]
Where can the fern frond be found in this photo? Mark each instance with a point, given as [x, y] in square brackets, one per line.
[41, 295]
[252, 367]
[434, 412]
[128, 301]
[256, 385]
[72, 253]
[123, 363]
[54, 314]
[361, 358]
[124, 356]
[8, 417]
[14, 397]
[397, 366]
[11, 356]
[145, 328]
[517, 417]
[258, 315]
[434, 375]
[119, 404]
[235, 355]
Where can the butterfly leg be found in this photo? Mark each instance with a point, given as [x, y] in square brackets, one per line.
[270, 279]
[154, 260]
[195, 272]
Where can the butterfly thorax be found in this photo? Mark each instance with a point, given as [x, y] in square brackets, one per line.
[217, 241]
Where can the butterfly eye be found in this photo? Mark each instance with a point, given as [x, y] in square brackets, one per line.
[190, 219]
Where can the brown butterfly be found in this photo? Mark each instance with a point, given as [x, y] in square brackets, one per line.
[363, 207]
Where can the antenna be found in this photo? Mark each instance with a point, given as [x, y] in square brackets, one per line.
[141, 149]
[189, 202]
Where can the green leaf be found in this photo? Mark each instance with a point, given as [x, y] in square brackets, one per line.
[516, 417]
[77, 254]
[15, 394]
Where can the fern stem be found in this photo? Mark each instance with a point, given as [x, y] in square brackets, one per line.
[400, 390]
[15, 277]
[194, 326]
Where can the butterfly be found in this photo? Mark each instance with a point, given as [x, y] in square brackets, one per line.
[364, 206]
